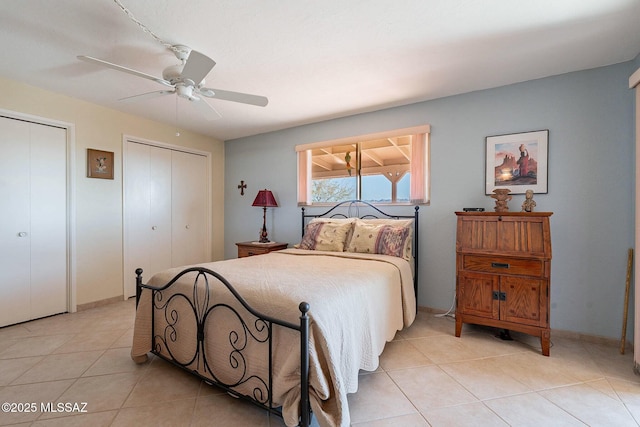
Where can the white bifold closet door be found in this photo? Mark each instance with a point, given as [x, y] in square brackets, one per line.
[188, 208]
[147, 211]
[166, 210]
[33, 228]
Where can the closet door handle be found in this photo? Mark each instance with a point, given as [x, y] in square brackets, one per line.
[154, 227]
[22, 234]
[187, 226]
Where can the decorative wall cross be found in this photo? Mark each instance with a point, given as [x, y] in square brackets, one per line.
[242, 186]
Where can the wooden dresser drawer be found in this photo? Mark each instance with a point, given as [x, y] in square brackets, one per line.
[250, 251]
[500, 265]
[246, 249]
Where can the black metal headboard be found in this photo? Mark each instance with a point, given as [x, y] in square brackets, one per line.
[370, 211]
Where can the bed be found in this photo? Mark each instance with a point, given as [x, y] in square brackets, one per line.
[289, 330]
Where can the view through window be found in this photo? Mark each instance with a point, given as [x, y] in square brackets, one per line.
[377, 170]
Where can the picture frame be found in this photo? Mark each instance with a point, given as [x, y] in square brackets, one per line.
[99, 164]
[518, 162]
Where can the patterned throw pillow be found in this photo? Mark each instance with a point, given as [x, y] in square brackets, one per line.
[338, 220]
[325, 236]
[379, 239]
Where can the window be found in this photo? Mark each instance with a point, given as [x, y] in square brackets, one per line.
[389, 167]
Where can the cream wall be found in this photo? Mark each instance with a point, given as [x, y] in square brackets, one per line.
[99, 224]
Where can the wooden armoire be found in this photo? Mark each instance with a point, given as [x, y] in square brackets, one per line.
[503, 272]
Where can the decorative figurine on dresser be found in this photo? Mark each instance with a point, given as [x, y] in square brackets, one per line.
[502, 196]
[529, 203]
[503, 272]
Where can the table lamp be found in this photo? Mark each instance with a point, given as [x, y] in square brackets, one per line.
[265, 200]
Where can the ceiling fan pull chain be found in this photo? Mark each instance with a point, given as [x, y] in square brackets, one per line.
[186, 80]
[144, 28]
[177, 129]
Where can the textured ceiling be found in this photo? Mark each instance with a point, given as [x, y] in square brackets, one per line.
[314, 60]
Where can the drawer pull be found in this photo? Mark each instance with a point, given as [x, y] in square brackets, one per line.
[499, 265]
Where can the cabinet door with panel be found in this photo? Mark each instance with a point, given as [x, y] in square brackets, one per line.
[476, 293]
[513, 299]
[523, 301]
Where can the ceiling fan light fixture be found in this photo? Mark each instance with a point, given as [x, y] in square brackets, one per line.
[184, 90]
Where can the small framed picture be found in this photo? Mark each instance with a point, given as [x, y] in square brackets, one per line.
[517, 161]
[99, 164]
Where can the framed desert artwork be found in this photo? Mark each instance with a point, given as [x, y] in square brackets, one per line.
[99, 164]
[517, 161]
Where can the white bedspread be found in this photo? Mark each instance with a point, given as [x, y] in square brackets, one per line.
[358, 302]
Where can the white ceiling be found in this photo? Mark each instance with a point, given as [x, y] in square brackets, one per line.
[314, 60]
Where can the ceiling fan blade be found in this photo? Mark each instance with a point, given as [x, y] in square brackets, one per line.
[205, 109]
[244, 98]
[148, 95]
[197, 67]
[123, 69]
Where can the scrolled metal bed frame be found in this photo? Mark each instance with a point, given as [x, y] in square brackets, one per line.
[260, 328]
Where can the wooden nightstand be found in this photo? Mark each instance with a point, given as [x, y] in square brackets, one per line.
[254, 248]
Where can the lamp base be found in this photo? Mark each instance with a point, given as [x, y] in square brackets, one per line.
[263, 233]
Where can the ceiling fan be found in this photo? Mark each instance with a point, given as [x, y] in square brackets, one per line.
[186, 80]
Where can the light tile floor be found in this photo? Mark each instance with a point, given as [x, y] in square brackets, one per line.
[427, 377]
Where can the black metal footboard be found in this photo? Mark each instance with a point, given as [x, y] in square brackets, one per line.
[254, 330]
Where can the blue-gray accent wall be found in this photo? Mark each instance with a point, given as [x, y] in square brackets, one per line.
[590, 118]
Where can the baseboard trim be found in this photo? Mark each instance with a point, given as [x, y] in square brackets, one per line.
[560, 333]
[593, 339]
[100, 303]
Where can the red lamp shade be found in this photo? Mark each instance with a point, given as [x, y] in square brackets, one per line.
[265, 199]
